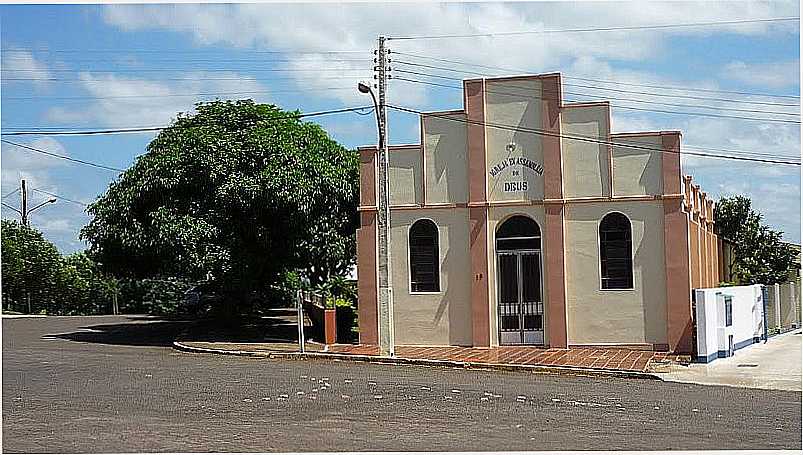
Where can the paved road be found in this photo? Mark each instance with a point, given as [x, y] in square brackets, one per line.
[120, 388]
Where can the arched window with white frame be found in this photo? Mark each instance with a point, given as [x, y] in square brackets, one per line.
[616, 252]
[424, 257]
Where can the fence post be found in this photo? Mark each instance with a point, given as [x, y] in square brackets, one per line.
[777, 302]
[793, 297]
[764, 304]
[300, 305]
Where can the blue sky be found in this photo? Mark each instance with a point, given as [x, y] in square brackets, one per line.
[99, 66]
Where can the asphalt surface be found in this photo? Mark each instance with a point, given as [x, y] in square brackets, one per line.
[113, 384]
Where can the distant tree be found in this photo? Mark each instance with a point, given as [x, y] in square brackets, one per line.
[85, 289]
[237, 194]
[31, 268]
[760, 255]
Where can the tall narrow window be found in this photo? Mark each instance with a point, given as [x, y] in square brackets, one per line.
[615, 246]
[424, 269]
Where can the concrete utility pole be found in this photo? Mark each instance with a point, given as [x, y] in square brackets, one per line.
[24, 212]
[24, 195]
[386, 330]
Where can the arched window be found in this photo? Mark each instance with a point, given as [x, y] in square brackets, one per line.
[424, 261]
[518, 233]
[615, 252]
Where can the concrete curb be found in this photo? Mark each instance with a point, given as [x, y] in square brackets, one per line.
[541, 369]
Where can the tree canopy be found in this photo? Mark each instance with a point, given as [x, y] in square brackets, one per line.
[760, 255]
[237, 194]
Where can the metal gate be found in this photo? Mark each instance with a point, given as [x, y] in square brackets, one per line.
[520, 308]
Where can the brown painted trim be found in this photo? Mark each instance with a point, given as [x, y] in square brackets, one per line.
[554, 276]
[670, 163]
[475, 140]
[694, 254]
[611, 193]
[423, 160]
[480, 305]
[550, 144]
[367, 279]
[679, 322]
[367, 208]
[368, 173]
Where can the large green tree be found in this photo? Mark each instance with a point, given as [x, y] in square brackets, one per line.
[238, 194]
[760, 255]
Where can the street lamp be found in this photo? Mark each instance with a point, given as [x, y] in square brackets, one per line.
[49, 201]
[385, 315]
[365, 87]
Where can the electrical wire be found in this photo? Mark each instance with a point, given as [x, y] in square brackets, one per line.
[553, 99]
[193, 79]
[586, 138]
[175, 51]
[204, 70]
[696, 106]
[259, 92]
[17, 190]
[56, 155]
[173, 127]
[618, 83]
[619, 106]
[84, 204]
[597, 29]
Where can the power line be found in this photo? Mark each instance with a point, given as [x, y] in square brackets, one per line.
[619, 106]
[84, 204]
[686, 146]
[598, 29]
[204, 70]
[55, 155]
[172, 127]
[207, 60]
[159, 79]
[259, 92]
[16, 190]
[696, 106]
[667, 87]
[586, 138]
[176, 51]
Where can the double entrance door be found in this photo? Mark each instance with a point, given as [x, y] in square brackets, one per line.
[520, 309]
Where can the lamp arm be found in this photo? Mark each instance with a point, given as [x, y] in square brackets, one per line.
[40, 205]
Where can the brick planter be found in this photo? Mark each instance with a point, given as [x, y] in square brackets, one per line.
[330, 326]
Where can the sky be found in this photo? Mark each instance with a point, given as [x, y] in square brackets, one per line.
[123, 66]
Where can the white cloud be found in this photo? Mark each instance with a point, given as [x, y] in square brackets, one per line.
[19, 163]
[133, 102]
[772, 74]
[320, 28]
[20, 66]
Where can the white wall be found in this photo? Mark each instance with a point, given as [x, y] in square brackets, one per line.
[748, 319]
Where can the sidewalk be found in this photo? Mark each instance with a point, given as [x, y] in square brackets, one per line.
[576, 360]
[773, 365]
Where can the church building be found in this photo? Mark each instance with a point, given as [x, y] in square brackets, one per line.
[523, 220]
